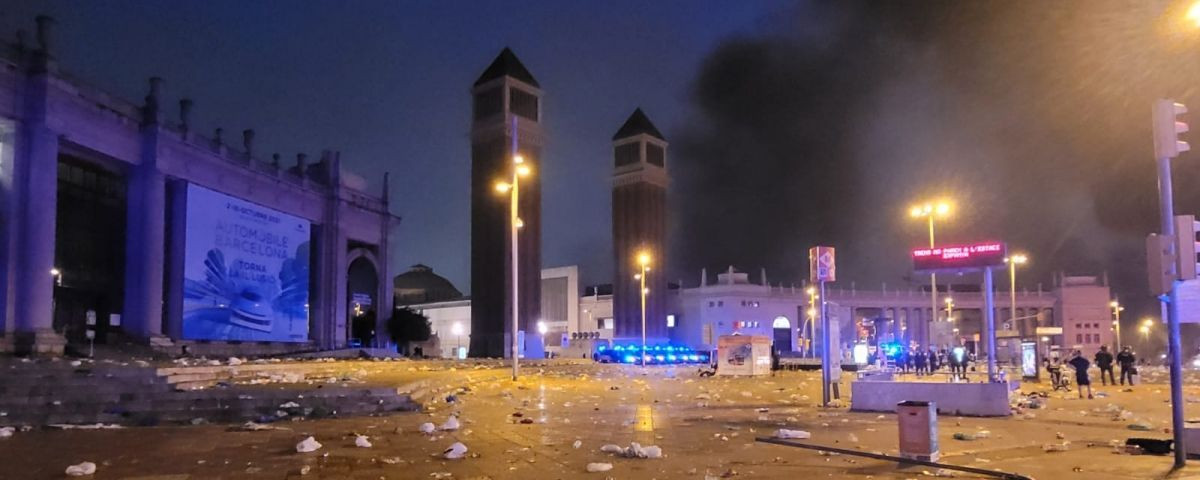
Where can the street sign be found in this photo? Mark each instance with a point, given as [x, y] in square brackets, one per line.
[822, 265]
[1189, 301]
[959, 257]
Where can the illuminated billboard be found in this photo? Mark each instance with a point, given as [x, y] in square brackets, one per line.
[960, 257]
[246, 271]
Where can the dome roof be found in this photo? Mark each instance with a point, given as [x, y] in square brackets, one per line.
[420, 285]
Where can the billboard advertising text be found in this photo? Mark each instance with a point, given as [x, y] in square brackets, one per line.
[245, 271]
[959, 257]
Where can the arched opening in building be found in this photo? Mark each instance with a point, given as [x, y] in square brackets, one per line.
[362, 287]
[782, 329]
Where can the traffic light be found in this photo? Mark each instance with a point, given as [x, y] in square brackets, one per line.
[1159, 264]
[1167, 128]
[1187, 236]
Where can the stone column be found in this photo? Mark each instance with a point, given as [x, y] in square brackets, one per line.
[144, 248]
[37, 178]
[145, 232]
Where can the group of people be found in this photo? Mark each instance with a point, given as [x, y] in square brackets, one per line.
[1104, 361]
[925, 362]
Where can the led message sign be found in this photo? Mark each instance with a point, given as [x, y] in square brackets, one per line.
[960, 257]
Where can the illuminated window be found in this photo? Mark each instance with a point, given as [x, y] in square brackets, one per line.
[781, 322]
[670, 321]
[607, 323]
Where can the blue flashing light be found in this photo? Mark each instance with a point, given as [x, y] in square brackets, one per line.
[602, 348]
[659, 358]
[672, 358]
[618, 348]
[630, 359]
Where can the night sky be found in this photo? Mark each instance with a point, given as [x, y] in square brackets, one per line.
[791, 123]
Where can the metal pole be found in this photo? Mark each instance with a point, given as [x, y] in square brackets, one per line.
[1174, 349]
[933, 292]
[643, 292]
[1012, 293]
[1117, 312]
[513, 219]
[989, 308]
[826, 358]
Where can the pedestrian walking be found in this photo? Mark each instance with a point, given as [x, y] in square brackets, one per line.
[1081, 365]
[1104, 360]
[1127, 361]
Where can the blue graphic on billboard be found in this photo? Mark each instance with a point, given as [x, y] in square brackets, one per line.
[245, 271]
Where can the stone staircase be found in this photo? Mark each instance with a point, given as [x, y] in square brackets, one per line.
[58, 393]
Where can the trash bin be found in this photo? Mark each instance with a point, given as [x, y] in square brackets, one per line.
[918, 430]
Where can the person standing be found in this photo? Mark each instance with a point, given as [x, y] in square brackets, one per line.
[1127, 360]
[1081, 365]
[1104, 360]
[920, 360]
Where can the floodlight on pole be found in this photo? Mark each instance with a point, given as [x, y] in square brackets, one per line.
[643, 260]
[929, 210]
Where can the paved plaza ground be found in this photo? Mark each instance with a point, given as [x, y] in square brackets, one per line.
[529, 430]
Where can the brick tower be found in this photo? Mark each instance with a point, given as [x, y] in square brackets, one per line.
[639, 223]
[505, 90]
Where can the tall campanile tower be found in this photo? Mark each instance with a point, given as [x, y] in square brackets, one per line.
[505, 92]
[639, 223]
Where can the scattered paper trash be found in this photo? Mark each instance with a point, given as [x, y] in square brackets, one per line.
[1055, 447]
[456, 451]
[426, 428]
[81, 469]
[964, 436]
[361, 441]
[309, 444]
[598, 467]
[577, 444]
[797, 434]
[6, 432]
[1141, 426]
[450, 425]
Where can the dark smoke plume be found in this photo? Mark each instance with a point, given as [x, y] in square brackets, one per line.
[1033, 116]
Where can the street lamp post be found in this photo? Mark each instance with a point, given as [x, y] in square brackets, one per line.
[930, 210]
[1013, 261]
[519, 169]
[643, 260]
[810, 324]
[1116, 310]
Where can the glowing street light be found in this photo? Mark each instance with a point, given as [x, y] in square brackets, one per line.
[1193, 14]
[643, 260]
[949, 309]
[930, 210]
